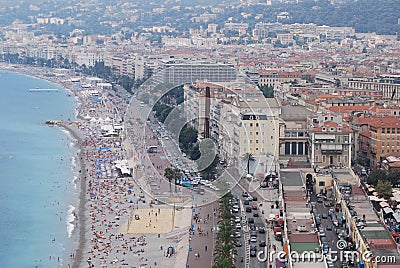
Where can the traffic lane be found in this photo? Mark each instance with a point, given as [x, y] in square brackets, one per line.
[254, 221]
[330, 235]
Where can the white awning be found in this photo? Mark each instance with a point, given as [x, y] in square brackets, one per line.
[324, 137]
[388, 210]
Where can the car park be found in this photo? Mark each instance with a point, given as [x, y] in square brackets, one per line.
[237, 220]
[245, 194]
[328, 228]
[261, 230]
[238, 243]
[238, 226]
[254, 198]
[255, 214]
[324, 216]
[238, 234]
[248, 209]
[253, 234]
[262, 244]
[253, 239]
[246, 202]
[250, 220]
[254, 207]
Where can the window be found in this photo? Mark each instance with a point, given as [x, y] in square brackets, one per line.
[256, 149]
[256, 124]
[256, 132]
[251, 124]
[251, 141]
[321, 183]
[323, 158]
[256, 141]
[316, 159]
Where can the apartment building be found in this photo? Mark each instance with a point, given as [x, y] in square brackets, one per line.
[241, 119]
[182, 73]
[330, 141]
[388, 85]
[378, 137]
[274, 78]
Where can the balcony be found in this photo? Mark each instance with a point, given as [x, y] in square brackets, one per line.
[331, 148]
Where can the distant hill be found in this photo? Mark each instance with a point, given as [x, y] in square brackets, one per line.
[380, 16]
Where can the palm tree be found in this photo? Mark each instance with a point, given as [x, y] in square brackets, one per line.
[172, 173]
[248, 157]
[169, 173]
[225, 244]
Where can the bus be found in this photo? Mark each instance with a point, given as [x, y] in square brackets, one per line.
[152, 149]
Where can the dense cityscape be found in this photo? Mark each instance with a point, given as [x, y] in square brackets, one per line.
[233, 134]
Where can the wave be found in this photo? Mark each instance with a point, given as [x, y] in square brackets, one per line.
[70, 219]
[73, 162]
[74, 181]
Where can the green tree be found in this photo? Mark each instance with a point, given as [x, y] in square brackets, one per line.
[187, 138]
[248, 157]
[384, 188]
[268, 92]
[394, 177]
[172, 173]
[375, 176]
[225, 243]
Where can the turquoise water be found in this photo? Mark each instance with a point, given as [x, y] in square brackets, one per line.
[36, 174]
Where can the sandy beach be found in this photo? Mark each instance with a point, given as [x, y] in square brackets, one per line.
[106, 230]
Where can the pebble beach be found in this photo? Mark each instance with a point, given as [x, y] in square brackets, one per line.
[117, 222]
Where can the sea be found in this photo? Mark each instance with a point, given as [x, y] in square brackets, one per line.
[38, 174]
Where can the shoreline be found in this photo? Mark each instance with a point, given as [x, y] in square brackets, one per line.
[78, 238]
[81, 217]
[107, 199]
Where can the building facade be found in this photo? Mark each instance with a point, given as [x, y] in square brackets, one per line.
[330, 141]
